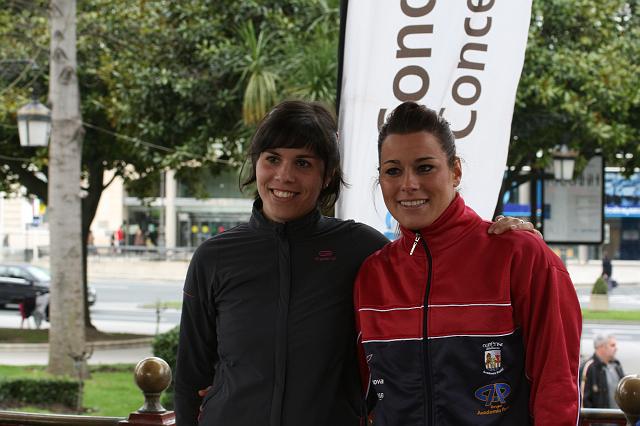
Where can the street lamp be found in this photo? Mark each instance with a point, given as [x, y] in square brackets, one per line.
[34, 119]
[34, 124]
[564, 162]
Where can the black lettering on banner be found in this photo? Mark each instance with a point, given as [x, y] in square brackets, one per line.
[477, 32]
[468, 80]
[459, 134]
[416, 12]
[468, 64]
[407, 52]
[480, 7]
[407, 71]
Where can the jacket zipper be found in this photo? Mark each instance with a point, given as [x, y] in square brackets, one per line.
[415, 243]
[429, 415]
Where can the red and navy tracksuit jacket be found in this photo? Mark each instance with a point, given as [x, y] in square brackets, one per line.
[461, 327]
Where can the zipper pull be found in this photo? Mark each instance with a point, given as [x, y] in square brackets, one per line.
[415, 243]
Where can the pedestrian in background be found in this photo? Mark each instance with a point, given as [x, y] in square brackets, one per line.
[607, 271]
[26, 308]
[600, 374]
[40, 311]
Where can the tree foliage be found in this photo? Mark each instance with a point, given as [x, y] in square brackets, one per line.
[182, 84]
[169, 84]
[164, 84]
[579, 86]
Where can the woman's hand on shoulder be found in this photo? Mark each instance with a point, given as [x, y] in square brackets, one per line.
[505, 223]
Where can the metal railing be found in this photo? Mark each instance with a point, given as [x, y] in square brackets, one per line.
[598, 416]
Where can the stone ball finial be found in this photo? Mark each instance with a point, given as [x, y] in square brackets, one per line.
[628, 397]
[153, 376]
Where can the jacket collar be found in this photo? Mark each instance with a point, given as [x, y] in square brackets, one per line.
[453, 224]
[295, 227]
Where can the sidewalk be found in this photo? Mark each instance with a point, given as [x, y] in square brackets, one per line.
[624, 271]
[38, 354]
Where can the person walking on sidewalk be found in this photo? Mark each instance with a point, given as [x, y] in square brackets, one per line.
[26, 308]
[600, 374]
[607, 271]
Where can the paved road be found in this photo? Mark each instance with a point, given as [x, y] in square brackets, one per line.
[628, 339]
[119, 306]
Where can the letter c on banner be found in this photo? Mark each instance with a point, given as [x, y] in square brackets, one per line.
[459, 134]
[416, 12]
[407, 71]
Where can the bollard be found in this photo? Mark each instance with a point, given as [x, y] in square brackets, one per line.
[153, 376]
[628, 398]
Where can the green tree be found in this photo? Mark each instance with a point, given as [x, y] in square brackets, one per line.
[579, 86]
[164, 84]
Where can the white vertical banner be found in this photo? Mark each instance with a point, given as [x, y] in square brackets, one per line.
[462, 58]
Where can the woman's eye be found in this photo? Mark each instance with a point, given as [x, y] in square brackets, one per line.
[302, 163]
[272, 159]
[424, 168]
[392, 171]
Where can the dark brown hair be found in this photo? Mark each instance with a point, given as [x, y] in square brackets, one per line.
[410, 117]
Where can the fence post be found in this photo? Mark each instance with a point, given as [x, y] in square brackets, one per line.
[153, 376]
[628, 398]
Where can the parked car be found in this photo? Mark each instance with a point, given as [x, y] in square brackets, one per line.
[21, 280]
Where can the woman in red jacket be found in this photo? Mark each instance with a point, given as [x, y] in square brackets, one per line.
[456, 326]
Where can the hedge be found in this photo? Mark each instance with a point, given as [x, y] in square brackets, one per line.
[39, 391]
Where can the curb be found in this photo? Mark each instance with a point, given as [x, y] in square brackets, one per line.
[609, 322]
[104, 345]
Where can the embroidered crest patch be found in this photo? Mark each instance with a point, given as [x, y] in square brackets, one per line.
[492, 358]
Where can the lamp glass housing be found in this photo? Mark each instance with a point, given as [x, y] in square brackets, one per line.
[34, 124]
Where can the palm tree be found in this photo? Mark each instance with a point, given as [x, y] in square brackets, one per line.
[260, 92]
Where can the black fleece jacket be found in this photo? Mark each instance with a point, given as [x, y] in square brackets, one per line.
[267, 321]
[593, 382]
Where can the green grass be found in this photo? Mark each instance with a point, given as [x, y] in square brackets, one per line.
[612, 315]
[110, 391]
[17, 335]
[172, 304]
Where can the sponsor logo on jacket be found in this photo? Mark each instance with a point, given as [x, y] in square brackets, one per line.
[494, 396]
[325, 255]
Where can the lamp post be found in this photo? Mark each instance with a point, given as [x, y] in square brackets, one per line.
[564, 163]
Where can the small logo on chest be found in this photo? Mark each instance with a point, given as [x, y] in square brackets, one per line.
[492, 358]
[325, 256]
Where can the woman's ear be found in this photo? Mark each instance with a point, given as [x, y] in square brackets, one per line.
[327, 180]
[457, 172]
